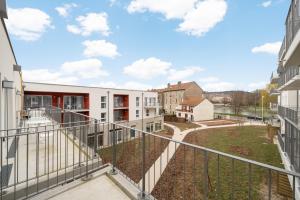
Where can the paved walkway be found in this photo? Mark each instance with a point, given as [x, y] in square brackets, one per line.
[154, 173]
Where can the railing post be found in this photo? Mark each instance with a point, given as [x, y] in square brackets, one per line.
[142, 194]
[95, 139]
[114, 151]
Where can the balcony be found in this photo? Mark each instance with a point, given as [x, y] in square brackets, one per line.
[289, 79]
[148, 104]
[67, 160]
[292, 25]
[120, 101]
[290, 113]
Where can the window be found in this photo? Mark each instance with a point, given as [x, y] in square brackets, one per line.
[100, 140]
[137, 113]
[103, 117]
[147, 112]
[158, 126]
[73, 102]
[132, 131]
[119, 135]
[137, 101]
[33, 101]
[150, 127]
[103, 102]
[179, 114]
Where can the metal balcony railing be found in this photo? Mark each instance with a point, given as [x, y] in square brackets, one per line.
[290, 113]
[282, 50]
[281, 140]
[292, 27]
[39, 157]
[289, 73]
[151, 104]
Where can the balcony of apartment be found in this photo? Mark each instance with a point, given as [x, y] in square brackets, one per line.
[75, 103]
[289, 51]
[289, 78]
[274, 78]
[121, 101]
[85, 159]
[182, 108]
[290, 113]
[153, 105]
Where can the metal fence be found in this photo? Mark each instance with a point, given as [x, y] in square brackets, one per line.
[37, 158]
[290, 113]
[281, 140]
[289, 73]
[45, 153]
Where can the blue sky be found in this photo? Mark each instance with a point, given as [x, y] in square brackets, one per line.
[144, 44]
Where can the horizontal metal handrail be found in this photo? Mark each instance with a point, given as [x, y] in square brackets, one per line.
[218, 152]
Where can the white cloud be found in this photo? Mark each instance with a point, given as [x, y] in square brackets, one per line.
[204, 17]
[219, 86]
[89, 68]
[28, 23]
[171, 9]
[257, 85]
[91, 23]
[198, 16]
[45, 76]
[147, 68]
[184, 73]
[65, 9]
[266, 4]
[95, 48]
[270, 48]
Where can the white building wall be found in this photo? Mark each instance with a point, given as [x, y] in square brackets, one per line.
[95, 94]
[9, 99]
[204, 111]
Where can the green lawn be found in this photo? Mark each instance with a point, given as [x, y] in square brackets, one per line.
[184, 176]
[129, 154]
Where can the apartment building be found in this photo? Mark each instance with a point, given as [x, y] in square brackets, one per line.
[288, 87]
[134, 108]
[10, 79]
[171, 96]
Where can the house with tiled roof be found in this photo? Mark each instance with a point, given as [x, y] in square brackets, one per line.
[195, 108]
[174, 95]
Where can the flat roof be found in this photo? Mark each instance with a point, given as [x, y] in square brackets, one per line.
[83, 86]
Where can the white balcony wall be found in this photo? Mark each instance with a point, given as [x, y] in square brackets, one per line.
[10, 101]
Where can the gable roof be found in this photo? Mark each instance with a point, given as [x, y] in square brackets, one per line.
[192, 101]
[174, 87]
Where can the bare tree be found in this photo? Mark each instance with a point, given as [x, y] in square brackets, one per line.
[237, 98]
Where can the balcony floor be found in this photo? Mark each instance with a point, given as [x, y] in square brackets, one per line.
[100, 187]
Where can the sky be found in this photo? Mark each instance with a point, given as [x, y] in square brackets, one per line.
[144, 44]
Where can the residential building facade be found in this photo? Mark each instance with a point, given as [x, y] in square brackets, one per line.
[133, 108]
[195, 109]
[173, 95]
[288, 87]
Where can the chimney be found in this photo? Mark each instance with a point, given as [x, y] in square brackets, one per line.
[179, 82]
[169, 85]
[3, 12]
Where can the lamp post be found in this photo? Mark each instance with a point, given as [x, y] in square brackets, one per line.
[262, 108]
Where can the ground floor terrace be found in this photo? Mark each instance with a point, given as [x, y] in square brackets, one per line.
[200, 161]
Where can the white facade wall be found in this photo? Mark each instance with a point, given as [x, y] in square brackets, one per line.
[95, 95]
[10, 99]
[203, 111]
